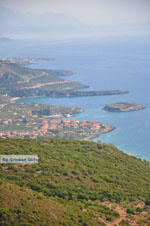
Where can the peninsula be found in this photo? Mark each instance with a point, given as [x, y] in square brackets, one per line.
[16, 80]
[25, 61]
[123, 107]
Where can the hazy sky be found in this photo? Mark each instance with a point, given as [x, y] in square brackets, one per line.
[93, 12]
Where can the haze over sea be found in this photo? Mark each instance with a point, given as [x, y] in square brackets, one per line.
[103, 64]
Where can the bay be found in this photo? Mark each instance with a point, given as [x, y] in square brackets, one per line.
[112, 63]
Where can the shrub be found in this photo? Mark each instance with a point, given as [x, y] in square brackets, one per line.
[138, 209]
[130, 211]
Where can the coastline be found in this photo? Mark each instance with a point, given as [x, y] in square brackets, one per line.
[15, 98]
[91, 137]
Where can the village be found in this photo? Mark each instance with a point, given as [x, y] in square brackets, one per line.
[36, 127]
[20, 120]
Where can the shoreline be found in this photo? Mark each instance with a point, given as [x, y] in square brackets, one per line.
[15, 98]
[89, 138]
[74, 93]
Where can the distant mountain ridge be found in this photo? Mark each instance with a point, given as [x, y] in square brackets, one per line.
[59, 25]
[18, 21]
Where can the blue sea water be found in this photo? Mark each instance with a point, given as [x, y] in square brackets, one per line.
[112, 63]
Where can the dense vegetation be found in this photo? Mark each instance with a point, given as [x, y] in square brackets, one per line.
[71, 183]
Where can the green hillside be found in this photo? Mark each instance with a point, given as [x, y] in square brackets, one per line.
[15, 78]
[74, 183]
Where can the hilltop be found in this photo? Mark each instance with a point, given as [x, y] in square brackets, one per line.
[74, 183]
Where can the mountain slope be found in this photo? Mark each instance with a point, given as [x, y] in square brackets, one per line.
[15, 77]
[81, 176]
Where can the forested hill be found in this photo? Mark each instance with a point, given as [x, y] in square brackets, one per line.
[75, 183]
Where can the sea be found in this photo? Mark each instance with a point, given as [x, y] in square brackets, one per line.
[105, 63]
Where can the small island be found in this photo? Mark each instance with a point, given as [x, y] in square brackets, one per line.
[123, 107]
